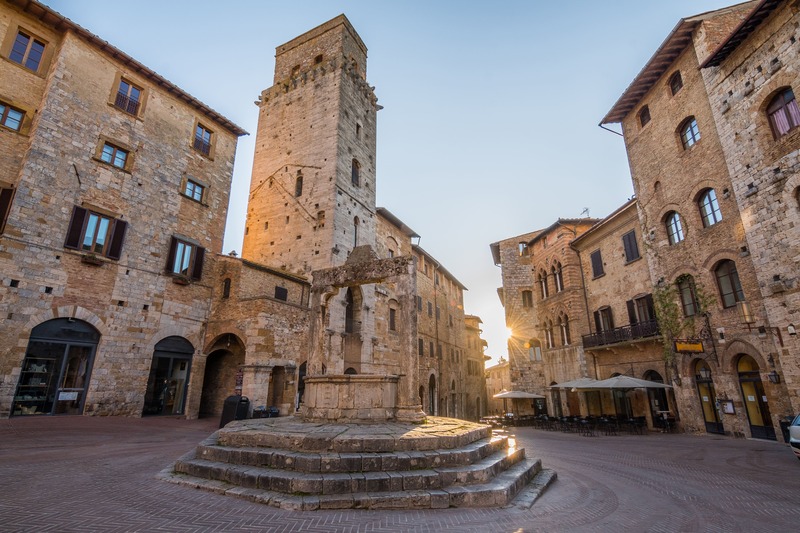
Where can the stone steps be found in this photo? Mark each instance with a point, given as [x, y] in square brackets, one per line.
[210, 450]
[498, 492]
[326, 483]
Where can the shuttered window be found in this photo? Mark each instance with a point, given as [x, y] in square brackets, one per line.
[631, 246]
[185, 259]
[597, 264]
[95, 233]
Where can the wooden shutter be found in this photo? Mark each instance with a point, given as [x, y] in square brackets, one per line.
[631, 311]
[5, 205]
[75, 229]
[597, 263]
[173, 245]
[651, 308]
[197, 272]
[598, 325]
[117, 237]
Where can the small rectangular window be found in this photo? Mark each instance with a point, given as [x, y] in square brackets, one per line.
[281, 293]
[430, 309]
[631, 246]
[527, 299]
[431, 348]
[597, 264]
[114, 155]
[419, 303]
[202, 140]
[194, 190]
[392, 320]
[11, 117]
[128, 97]
[27, 51]
[420, 347]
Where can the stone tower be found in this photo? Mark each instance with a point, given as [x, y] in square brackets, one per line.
[312, 191]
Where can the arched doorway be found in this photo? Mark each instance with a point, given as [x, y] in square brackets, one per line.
[56, 369]
[277, 387]
[754, 398]
[219, 380]
[422, 397]
[432, 395]
[657, 398]
[708, 398]
[169, 377]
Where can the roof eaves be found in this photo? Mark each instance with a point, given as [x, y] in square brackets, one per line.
[742, 31]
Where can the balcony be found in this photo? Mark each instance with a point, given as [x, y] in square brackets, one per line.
[126, 103]
[629, 333]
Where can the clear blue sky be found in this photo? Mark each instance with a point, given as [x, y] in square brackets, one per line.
[489, 127]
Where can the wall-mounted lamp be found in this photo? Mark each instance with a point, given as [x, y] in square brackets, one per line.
[774, 377]
[705, 373]
[745, 313]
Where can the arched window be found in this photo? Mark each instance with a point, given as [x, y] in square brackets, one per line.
[688, 294]
[298, 185]
[534, 350]
[527, 299]
[674, 227]
[730, 289]
[689, 132]
[355, 231]
[564, 324]
[548, 333]
[543, 284]
[349, 312]
[356, 173]
[709, 208]
[558, 276]
[675, 83]
[783, 113]
[644, 116]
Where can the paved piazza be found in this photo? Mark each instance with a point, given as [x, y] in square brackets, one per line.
[98, 474]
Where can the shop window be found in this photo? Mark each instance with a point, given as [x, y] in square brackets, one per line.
[597, 264]
[630, 246]
[27, 51]
[11, 117]
[689, 133]
[675, 83]
[185, 259]
[128, 97]
[202, 139]
[95, 233]
[709, 208]
[730, 289]
[674, 227]
[783, 113]
[57, 368]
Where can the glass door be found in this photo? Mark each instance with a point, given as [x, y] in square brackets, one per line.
[755, 400]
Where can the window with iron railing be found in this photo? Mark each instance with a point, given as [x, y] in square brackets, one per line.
[128, 97]
[202, 140]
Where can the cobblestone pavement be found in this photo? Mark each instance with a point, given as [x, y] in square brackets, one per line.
[97, 474]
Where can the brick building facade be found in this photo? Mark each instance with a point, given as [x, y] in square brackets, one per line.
[117, 310]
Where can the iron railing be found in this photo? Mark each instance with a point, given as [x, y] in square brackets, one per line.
[126, 103]
[201, 145]
[628, 333]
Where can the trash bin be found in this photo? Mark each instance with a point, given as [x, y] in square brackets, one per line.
[234, 408]
[785, 422]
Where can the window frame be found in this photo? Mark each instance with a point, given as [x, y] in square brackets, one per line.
[4, 113]
[675, 82]
[194, 268]
[644, 116]
[124, 101]
[79, 224]
[117, 147]
[10, 48]
[202, 145]
[736, 294]
[710, 213]
[194, 185]
[687, 293]
[527, 299]
[6, 200]
[596, 260]
[355, 173]
[785, 107]
[674, 226]
[689, 132]
[630, 247]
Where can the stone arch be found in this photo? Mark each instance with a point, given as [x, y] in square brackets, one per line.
[730, 356]
[66, 311]
[225, 356]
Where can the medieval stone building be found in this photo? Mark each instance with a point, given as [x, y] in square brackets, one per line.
[115, 309]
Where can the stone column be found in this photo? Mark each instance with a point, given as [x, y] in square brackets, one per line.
[408, 407]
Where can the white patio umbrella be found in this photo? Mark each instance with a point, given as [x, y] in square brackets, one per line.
[575, 383]
[626, 382]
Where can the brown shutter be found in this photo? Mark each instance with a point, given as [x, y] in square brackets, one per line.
[631, 311]
[173, 245]
[117, 237]
[5, 205]
[75, 229]
[651, 308]
[197, 272]
[598, 326]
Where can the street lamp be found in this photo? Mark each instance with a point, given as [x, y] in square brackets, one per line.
[705, 373]
[774, 377]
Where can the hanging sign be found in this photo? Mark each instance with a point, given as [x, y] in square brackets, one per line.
[688, 346]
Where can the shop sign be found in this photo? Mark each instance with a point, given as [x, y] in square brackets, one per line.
[689, 346]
